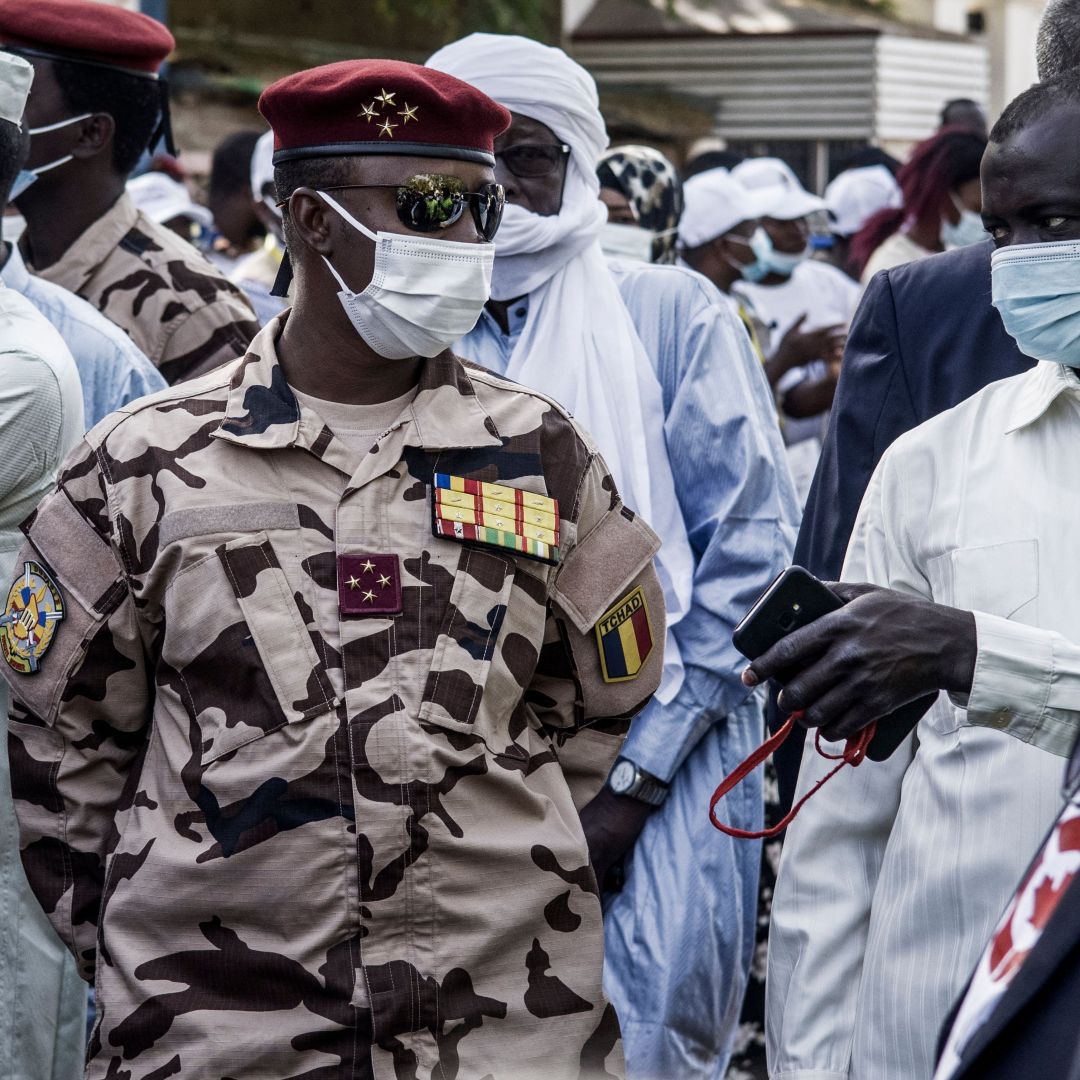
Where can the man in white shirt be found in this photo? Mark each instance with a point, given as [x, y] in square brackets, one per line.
[798, 298]
[43, 1002]
[895, 875]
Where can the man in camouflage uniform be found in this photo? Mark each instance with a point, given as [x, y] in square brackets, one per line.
[341, 628]
[96, 104]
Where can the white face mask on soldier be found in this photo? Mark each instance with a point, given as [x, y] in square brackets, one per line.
[424, 295]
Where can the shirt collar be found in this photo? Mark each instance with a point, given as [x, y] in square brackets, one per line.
[93, 247]
[262, 411]
[1038, 390]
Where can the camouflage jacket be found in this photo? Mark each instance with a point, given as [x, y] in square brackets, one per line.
[181, 311]
[282, 857]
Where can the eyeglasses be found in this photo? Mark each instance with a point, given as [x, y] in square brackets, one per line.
[429, 202]
[531, 160]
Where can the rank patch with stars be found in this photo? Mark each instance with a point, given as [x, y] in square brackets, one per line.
[369, 585]
[383, 109]
[496, 515]
[32, 613]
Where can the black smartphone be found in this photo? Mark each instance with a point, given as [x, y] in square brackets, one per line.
[795, 599]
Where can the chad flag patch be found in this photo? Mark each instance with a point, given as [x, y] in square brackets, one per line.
[496, 515]
[624, 637]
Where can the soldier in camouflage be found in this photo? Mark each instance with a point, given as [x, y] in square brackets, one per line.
[348, 630]
[97, 104]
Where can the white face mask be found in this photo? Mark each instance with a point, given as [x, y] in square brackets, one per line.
[55, 127]
[968, 230]
[618, 241]
[425, 294]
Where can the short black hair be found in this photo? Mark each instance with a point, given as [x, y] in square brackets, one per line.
[315, 173]
[957, 103]
[1034, 102]
[1057, 44]
[230, 167]
[133, 101]
[710, 159]
[13, 145]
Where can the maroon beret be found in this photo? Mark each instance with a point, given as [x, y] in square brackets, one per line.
[380, 107]
[87, 32]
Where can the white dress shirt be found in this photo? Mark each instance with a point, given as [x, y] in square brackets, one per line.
[895, 874]
[43, 1000]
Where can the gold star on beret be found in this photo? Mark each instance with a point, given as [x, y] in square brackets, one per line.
[386, 98]
[369, 112]
[386, 128]
[408, 112]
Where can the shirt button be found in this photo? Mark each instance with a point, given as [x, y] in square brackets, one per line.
[1002, 717]
[520, 312]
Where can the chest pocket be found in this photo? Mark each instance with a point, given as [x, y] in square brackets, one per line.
[487, 647]
[246, 661]
[998, 579]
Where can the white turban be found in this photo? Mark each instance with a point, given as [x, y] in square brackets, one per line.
[543, 83]
[579, 345]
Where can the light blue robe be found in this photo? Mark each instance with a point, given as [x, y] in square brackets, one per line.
[680, 935]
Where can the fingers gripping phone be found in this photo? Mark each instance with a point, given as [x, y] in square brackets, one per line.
[794, 600]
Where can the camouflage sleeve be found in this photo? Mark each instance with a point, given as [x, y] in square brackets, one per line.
[80, 717]
[210, 336]
[603, 648]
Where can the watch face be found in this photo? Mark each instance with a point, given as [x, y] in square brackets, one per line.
[622, 777]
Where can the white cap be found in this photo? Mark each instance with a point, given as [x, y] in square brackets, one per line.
[262, 165]
[714, 203]
[782, 196]
[16, 75]
[857, 194]
[161, 198]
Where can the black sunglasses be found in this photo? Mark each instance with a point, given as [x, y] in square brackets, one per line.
[529, 160]
[429, 202]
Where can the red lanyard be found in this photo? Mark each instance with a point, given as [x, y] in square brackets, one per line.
[854, 752]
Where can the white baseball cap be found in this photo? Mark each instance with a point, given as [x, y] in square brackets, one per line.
[857, 194]
[714, 203]
[161, 198]
[262, 164]
[781, 194]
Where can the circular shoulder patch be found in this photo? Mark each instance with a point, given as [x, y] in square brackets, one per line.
[33, 609]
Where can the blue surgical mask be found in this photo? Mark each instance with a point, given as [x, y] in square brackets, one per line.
[968, 230]
[780, 262]
[25, 178]
[1036, 289]
[761, 248]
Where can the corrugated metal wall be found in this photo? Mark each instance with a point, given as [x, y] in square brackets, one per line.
[775, 86]
[916, 76]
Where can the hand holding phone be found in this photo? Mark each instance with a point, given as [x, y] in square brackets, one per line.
[794, 600]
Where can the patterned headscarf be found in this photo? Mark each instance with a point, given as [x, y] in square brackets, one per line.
[651, 184]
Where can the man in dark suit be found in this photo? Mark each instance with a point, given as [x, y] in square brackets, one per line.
[1032, 1029]
[925, 338]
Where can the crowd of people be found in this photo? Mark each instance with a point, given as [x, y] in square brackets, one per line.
[374, 534]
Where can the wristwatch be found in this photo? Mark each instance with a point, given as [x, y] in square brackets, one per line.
[627, 779]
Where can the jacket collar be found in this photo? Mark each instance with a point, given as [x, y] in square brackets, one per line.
[1039, 388]
[90, 250]
[263, 413]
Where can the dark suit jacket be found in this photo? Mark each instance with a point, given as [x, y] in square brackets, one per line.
[1035, 1029]
[925, 337]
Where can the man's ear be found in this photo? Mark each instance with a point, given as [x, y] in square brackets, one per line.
[311, 220]
[96, 134]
